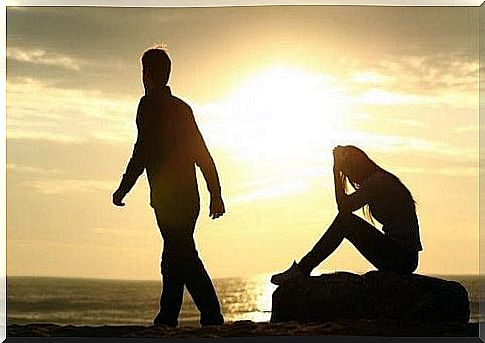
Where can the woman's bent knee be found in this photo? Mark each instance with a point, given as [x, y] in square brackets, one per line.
[345, 219]
[348, 223]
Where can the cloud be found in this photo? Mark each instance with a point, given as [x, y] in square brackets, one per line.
[36, 135]
[384, 97]
[398, 121]
[452, 171]
[433, 72]
[458, 171]
[270, 192]
[36, 110]
[279, 182]
[371, 77]
[393, 145]
[32, 170]
[469, 129]
[241, 132]
[54, 186]
[437, 79]
[392, 95]
[110, 231]
[40, 56]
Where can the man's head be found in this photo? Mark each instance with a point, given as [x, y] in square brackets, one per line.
[156, 67]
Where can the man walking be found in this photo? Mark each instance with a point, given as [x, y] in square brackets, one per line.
[168, 146]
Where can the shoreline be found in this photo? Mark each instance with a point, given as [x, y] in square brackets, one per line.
[384, 328]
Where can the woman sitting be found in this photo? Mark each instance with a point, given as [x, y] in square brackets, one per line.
[386, 199]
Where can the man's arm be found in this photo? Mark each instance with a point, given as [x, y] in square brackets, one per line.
[206, 164]
[137, 162]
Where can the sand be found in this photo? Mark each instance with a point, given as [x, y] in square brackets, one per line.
[386, 328]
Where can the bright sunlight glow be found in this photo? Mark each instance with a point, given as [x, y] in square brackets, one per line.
[281, 113]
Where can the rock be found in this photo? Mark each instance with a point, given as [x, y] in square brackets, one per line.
[374, 295]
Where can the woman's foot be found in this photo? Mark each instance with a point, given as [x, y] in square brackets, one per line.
[292, 273]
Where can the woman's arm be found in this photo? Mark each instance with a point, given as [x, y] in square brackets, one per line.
[348, 203]
[339, 188]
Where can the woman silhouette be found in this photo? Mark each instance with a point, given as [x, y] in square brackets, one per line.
[384, 198]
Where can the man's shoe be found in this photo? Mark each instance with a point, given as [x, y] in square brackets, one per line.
[159, 321]
[212, 321]
[292, 273]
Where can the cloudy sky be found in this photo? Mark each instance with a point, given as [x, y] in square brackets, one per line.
[273, 90]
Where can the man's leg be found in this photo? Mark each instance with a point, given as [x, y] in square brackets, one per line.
[203, 293]
[198, 282]
[171, 297]
[172, 293]
[182, 262]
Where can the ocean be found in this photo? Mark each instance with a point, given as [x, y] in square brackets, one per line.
[95, 302]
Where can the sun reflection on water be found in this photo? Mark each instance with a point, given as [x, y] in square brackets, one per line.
[252, 300]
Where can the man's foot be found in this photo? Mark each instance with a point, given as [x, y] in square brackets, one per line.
[212, 321]
[291, 273]
[159, 321]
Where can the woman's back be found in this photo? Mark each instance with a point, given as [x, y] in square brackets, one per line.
[392, 205]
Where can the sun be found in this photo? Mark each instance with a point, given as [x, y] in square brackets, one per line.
[283, 113]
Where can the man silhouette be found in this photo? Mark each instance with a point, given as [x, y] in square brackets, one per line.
[168, 146]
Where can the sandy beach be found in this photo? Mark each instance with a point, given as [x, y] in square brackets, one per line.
[252, 329]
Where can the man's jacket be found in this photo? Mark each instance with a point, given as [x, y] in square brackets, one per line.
[168, 146]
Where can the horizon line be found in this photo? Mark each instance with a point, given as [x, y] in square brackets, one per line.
[223, 277]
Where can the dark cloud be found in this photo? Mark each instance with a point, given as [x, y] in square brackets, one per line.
[110, 40]
[89, 77]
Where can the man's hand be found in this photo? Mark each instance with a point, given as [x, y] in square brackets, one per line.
[118, 198]
[216, 208]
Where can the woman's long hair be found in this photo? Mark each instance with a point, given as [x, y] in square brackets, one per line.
[360, 164]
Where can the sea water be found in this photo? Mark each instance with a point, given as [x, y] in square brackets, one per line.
[68, 301]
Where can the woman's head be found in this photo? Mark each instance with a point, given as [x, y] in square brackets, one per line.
[355, 166]
[354, 163]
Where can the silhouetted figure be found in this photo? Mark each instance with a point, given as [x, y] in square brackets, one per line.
[386, 198]
[168, 146]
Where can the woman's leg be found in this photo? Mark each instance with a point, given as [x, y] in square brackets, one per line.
[368, 240]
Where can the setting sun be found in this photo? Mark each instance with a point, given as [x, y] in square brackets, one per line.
[283, 113]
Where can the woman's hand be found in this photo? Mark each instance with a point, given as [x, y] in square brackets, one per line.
[337, 158]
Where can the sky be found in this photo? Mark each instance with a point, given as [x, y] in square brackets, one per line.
[273, 89]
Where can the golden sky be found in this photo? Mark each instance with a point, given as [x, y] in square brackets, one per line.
[273, 89]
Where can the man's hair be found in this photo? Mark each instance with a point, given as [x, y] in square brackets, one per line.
[156, 61]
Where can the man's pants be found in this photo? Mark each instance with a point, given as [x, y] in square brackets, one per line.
[181, 266]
